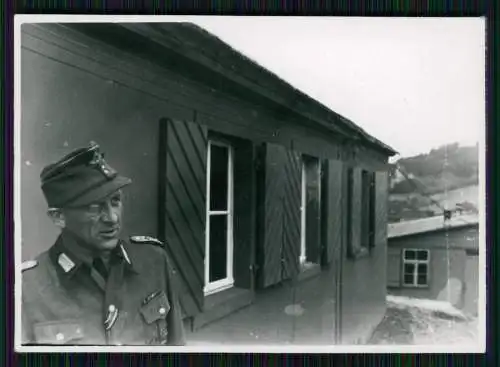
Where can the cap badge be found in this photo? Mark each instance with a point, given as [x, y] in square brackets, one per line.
[99, 162]
[111, 317]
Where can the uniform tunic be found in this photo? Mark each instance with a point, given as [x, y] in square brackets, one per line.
[63, 304]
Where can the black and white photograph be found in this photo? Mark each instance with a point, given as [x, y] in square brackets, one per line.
[243, 184]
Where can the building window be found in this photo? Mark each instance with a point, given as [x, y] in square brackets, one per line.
[310, 212]
[367, 209]
[350, 183]
[415, 268]
[219, 218]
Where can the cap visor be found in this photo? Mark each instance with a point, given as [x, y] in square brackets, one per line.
[101, 192]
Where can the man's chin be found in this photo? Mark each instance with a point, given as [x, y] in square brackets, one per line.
[107, 245]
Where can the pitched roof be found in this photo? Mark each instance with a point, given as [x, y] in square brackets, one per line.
[431, 224]
[196, 43]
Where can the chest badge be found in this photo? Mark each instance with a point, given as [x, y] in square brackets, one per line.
[111, 317]
[150, 297]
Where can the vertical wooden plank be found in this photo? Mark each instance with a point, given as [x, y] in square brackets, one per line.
[381, 207]
[333, 206]
[272, 225]
[183, 146]
[291, 211]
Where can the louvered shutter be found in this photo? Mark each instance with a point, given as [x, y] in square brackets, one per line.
[182, 208]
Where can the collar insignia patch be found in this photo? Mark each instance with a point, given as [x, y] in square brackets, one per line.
[65, 262]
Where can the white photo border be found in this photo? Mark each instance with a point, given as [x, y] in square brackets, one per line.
[19, 19]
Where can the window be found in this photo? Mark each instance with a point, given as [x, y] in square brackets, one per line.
[415, 268]
[310, 212]
[368, 209]
[350, 183]
[219, 219]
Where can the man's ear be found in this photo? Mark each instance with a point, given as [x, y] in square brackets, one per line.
[57, 216]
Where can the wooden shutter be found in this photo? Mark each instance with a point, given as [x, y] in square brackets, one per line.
[182, 212]
[312, 207]
[333, 209]
[291, 210]
[355, 212]
[280, 221]
[272, 220]
[381, 207]
[393, 267]
[243, 222]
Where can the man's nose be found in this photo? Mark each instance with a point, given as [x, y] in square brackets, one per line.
[109, 213]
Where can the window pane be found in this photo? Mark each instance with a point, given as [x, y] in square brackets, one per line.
[408, 279]
[218, 177]
[409, 255]
[422, 280]
[409, 268]
[422, 269]
[422, 255]
[218, 247]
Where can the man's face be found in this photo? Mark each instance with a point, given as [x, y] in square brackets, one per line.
[98, 224]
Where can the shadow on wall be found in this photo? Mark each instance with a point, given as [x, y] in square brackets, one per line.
[461, 294]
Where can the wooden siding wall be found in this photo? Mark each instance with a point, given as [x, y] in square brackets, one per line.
[362, 291]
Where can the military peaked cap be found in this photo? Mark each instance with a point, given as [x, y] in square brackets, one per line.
[80, 178]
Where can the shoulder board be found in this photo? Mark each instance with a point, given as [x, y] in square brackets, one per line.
[146, 239]
[28, 265]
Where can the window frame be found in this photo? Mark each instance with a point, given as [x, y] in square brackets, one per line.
[303, 201]
[415, 262]
[228, 282]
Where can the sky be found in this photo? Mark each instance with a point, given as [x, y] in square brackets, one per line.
[414, 83]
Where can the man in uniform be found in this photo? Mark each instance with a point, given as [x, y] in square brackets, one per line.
[92, 287]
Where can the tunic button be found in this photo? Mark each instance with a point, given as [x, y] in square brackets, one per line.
[112, 308]
[162, 311]
[78, 331]
[59, 336]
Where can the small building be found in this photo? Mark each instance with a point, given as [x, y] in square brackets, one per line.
[253, 186]
[435, 258]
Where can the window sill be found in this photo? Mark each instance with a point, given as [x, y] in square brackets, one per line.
[405, 286]
[219, 286]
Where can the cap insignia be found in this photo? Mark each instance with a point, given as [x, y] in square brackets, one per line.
[99, 162]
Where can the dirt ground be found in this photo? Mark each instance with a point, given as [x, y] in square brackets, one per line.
[414, 326]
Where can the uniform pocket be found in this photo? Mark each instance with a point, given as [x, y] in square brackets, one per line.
[58, 332]
[154, 314]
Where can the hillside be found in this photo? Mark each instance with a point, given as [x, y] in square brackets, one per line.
[448, 174]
